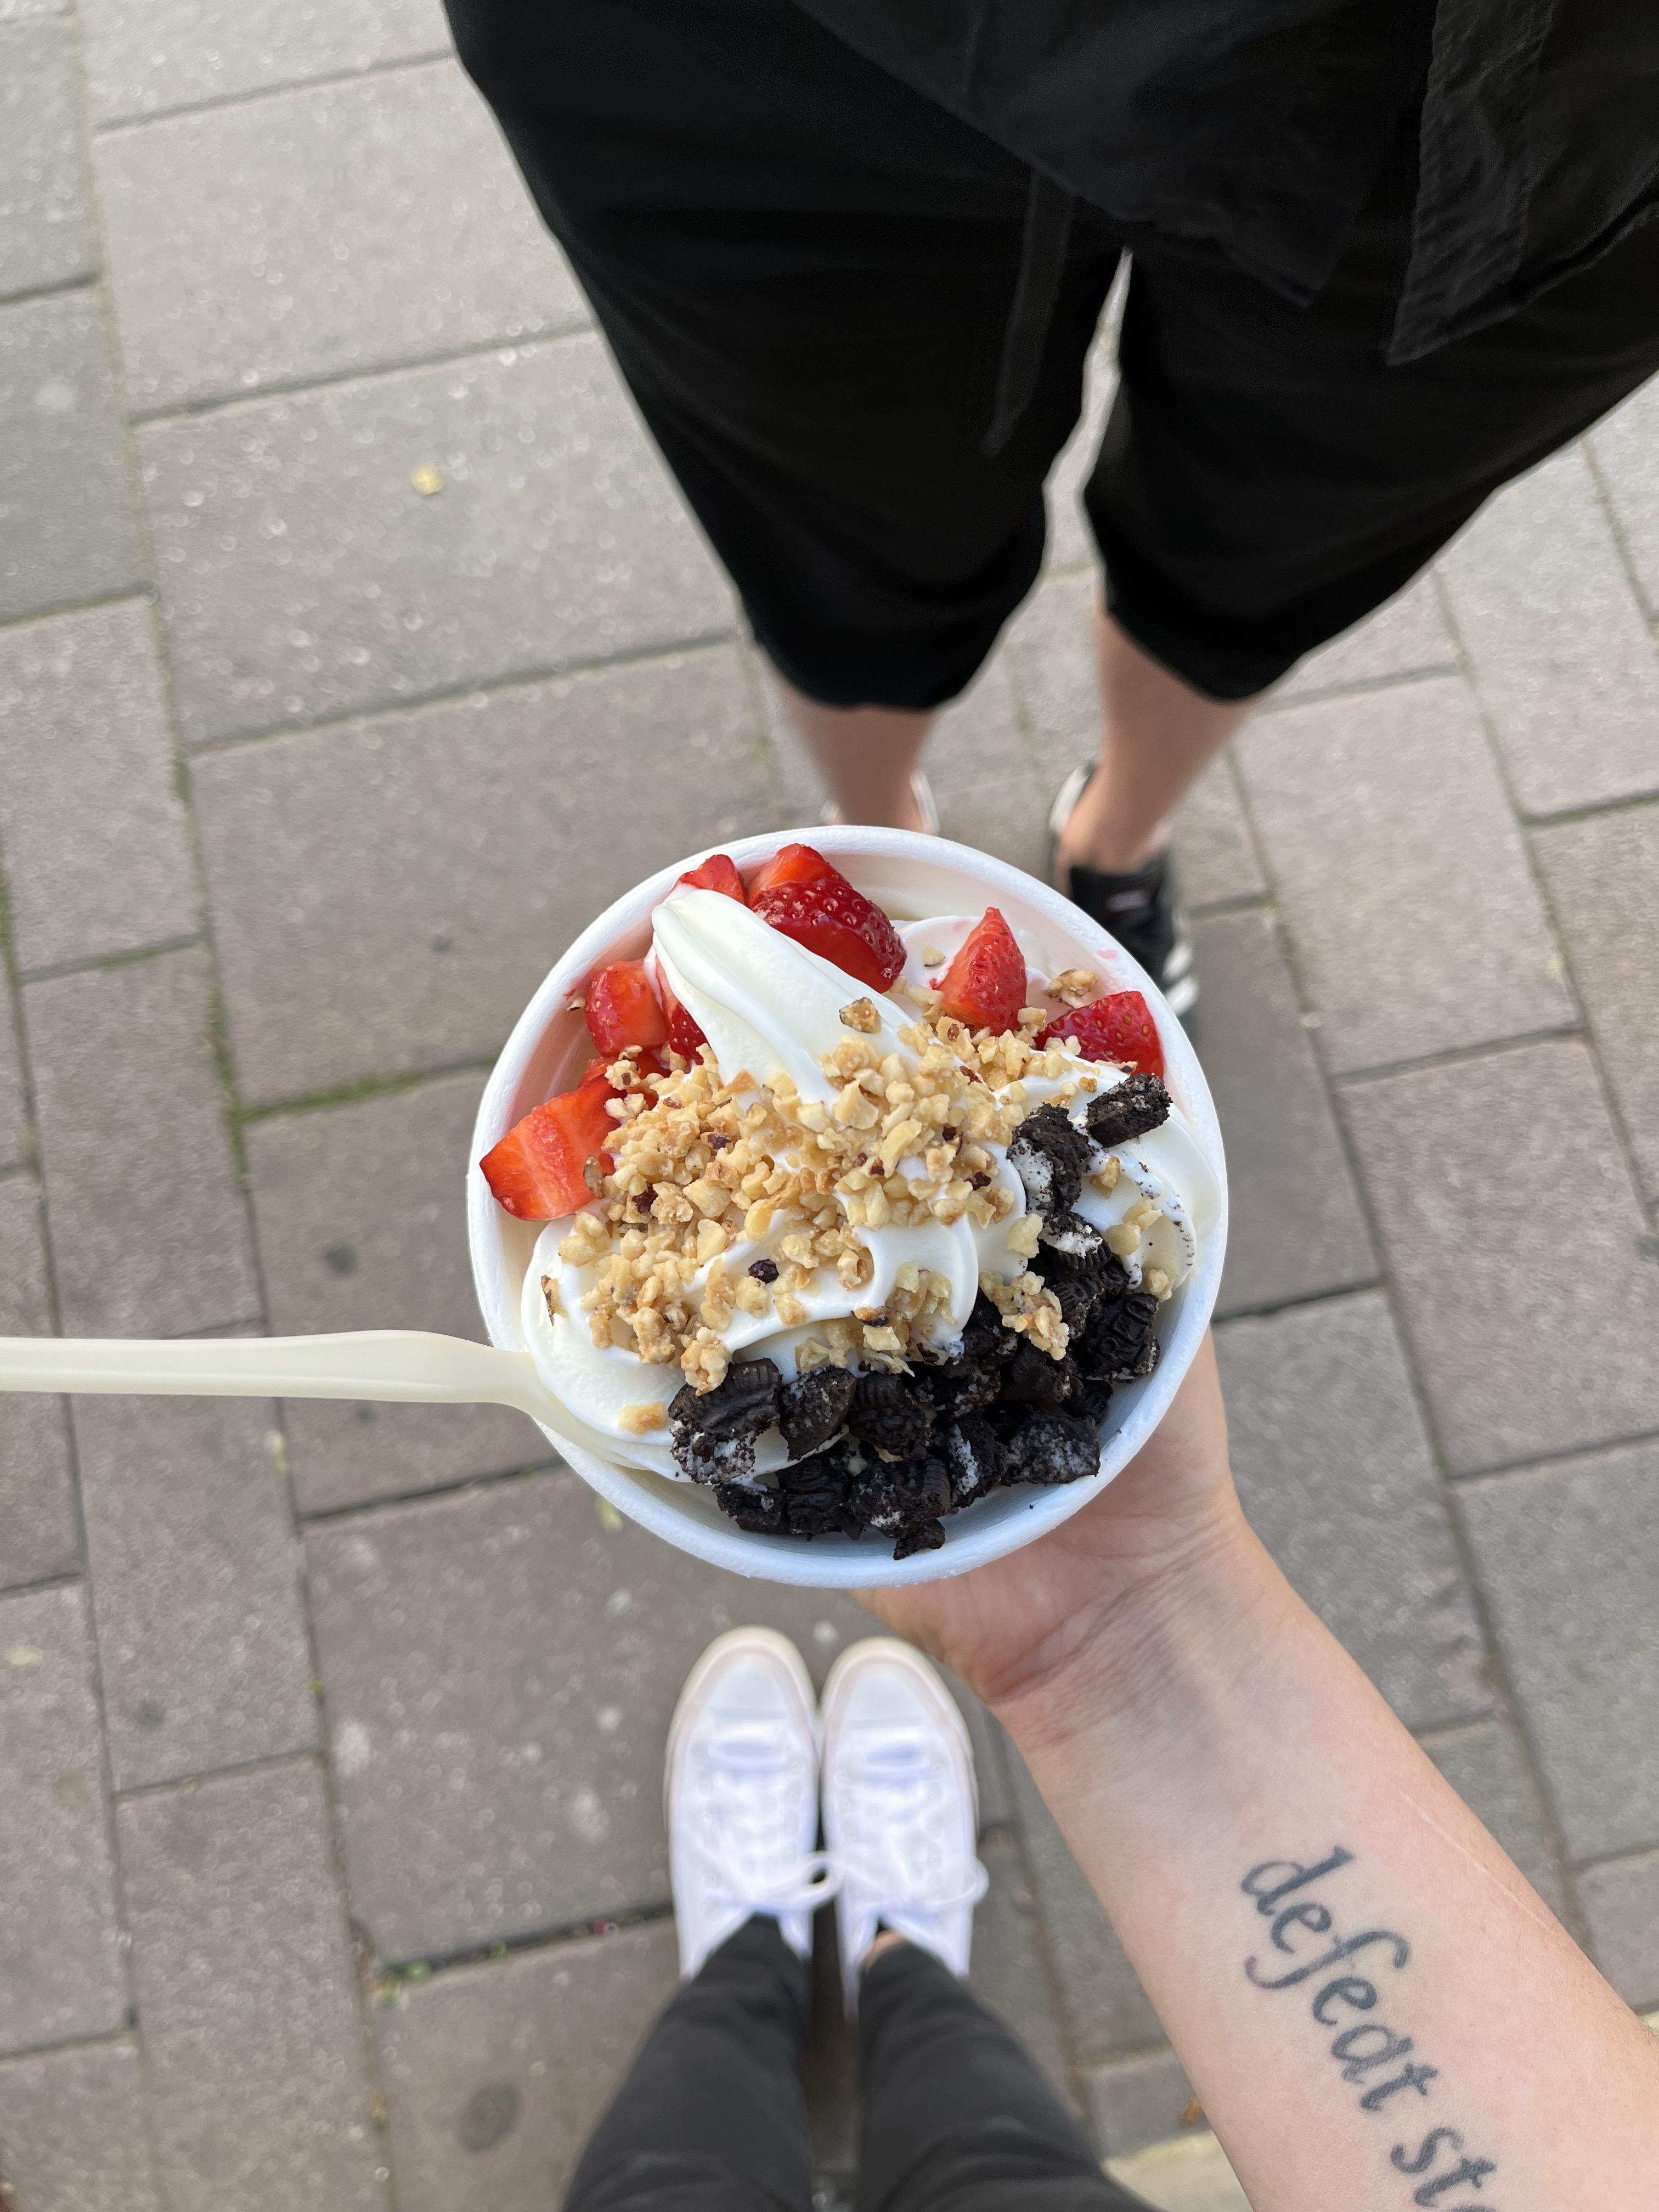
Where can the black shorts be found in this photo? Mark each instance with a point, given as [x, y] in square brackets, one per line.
[805, 271]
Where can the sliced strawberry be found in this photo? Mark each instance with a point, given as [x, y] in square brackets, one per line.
[539, 1170]
[718, 872]
[684, 1034]
[794, 864]
[1120, 1028]
[828, 917]
[624, 1009]
[985, 985]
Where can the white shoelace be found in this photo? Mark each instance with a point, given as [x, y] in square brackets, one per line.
[896, 1864]
[742, 1830]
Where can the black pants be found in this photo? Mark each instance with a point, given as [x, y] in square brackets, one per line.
[957, 2118]
[805, 271]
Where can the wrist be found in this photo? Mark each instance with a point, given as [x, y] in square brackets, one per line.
[1140, 1674]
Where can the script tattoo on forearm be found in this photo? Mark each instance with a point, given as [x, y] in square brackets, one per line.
[1374, 2058]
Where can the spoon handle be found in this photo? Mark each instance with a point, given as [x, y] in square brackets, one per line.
[378, 1364]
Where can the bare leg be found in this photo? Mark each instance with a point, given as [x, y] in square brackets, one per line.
[866, 755]
[1158, 735]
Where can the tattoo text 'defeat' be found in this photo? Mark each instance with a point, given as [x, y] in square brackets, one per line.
[1372, 2056]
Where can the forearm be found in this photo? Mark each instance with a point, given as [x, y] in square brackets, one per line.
[1374, 2007]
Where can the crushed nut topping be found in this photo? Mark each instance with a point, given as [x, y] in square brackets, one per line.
[1075, 986]
[639, 1420]
[932, 957]
[862, 1015]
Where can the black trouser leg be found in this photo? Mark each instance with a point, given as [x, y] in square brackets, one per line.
[957, 2117]
[710, 2117]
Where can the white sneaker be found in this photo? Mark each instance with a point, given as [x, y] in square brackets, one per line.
[900, 1808]
[740, 1792]
[920, 790]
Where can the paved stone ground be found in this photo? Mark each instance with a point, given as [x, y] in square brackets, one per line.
[340, 600]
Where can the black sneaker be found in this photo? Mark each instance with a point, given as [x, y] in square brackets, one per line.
[1142, 910]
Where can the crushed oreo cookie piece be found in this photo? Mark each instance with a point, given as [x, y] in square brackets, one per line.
[1120, 1344]
[1052, 1449]
[985, 1337]
[1130, 1109]
[1074, 1247]
[1091, 1402]
[812, 1410]
[925, 1536]
[890, 1414]
[1034, 1378]
[1076, 1296]
[1051, 1156]
[812, 1495]
[976, 1456]
[713, 1436]
[905, 1499]
[965, 1386]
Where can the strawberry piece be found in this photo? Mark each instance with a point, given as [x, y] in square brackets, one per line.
[684, 1034]
[537, 1171]
[985, 985]
[822, 911]
[794, 864]
[718, 872]
[623, 1009]
[1119, 1027]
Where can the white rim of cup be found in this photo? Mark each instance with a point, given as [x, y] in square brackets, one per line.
[549, 1047]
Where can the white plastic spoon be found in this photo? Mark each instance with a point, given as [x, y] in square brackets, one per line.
[375, 1363]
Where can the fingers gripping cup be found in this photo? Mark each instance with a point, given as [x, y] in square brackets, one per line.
[861, 1204]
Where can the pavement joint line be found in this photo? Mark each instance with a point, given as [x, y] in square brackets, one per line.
[123, 126]
[129, 957]
[1241, 903]
[275, 1762]
[26, 298]
[1592, 810]
[326, 1516]
[361, 1087]
[395, 1973]
[124, 595]
[1393, 679]
[486, 687]
[1360, 1287]
[1615, 527]
[294, 387]
[1458, 1054]
[1601, 1445]
[1617, 1858]
[64, 1578]
[127, 2034]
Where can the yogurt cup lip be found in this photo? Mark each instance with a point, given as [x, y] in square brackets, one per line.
[917, 875]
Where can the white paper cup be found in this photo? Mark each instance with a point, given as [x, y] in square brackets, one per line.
[912, 877]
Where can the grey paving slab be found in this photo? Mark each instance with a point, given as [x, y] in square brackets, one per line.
[258, 2088]
[501, 1664]
[348, 225]
[38, 1535]
[92, 826]
[1559, 650]
[1136, 2101]
[1339, 1481]
[1049, 647]
[1297, 1230]
[1621, 1906]
[1603, 876]
[73, 2136]
[1406, 636]
[1564, 1553]
[338, 1256]
[59, 1957]
[494, 2075]
[1105, 2007]
[45, 224]
[1486, 1765]
[178, 54]
[1401, 874]
[149, 1232]
[304, 575]
[387, 898]
[14, 11]
[196, 1586]
[67, 530]
[14, 1121]
[1007, 1964]
[1184, 2173]
[1526, 1344]
[1627, 447]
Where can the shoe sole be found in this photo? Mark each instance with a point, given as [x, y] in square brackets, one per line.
[739, 1639]
[1181, 989]
[890, 1650]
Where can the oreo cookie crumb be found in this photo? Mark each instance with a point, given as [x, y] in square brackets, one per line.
[1119, 1344]
[925, 1536]
[889, 1414]
[1053, 1449]
[1033, 1378]
[1076, 1296]
[812, 1411]
[713, 1436]
[976, 1456]
[1137, 1104]
[757, 1511]
[1091, 1402]
[1050, 1155]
